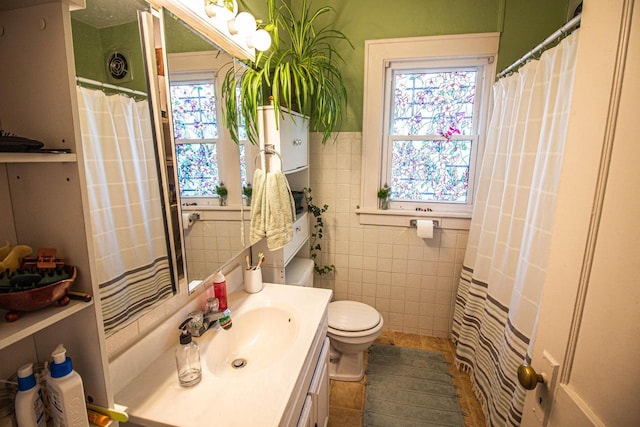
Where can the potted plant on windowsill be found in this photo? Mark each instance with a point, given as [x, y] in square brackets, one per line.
[383, 197]
[247, 193]
[222, 193]
[302, 75]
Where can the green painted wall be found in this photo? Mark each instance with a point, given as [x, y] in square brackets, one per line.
[90, 46]
[525, 24]
[87, 49]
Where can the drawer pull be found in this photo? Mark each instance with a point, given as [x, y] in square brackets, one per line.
[297, 141]
[298, 229]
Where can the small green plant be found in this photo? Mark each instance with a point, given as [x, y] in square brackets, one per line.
[317, 233]
[247, 192]
[383, 196]
[222, 193]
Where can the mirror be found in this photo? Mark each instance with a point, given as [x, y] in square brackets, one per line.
[201, 234]
[133, 243]
[200, 153]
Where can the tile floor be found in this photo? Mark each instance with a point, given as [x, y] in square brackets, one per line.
[346, 401]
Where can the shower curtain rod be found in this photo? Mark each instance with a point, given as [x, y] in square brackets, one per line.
[108, 86]
[566, 28]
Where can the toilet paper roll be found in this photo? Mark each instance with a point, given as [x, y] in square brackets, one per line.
[187, 220]
[425, 228]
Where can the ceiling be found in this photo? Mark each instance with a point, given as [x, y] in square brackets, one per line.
[108, 13]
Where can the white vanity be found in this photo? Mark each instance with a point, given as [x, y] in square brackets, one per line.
[280, 333]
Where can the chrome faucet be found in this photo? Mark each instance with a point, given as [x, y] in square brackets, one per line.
[200, 321]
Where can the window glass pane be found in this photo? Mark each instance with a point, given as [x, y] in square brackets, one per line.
[197, 169]
[194, 110]
[430, 170]
[433, 103]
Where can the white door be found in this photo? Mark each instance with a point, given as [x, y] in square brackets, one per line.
[590, 313]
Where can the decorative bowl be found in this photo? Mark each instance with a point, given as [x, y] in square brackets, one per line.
[35, 299]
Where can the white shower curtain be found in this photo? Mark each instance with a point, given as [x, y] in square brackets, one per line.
[504, 266]
[129, 233]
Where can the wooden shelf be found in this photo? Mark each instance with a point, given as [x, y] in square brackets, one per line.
[38, 158]
[35, 321]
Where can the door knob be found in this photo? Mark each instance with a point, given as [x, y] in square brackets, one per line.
[528, 377]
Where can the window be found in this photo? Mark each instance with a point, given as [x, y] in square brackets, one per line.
[431, 133]
[195, 127]
[425, 113]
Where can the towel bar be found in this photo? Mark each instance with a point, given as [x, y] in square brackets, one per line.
[268, 149]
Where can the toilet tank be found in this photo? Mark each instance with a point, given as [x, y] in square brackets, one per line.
[299, 272]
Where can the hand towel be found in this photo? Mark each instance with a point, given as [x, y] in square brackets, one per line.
[258, 207]
[280, 211]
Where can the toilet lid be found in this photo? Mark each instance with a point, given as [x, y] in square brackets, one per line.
[352, 316]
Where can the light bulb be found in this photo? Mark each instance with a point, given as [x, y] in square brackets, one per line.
[261, 40]
[243, 24]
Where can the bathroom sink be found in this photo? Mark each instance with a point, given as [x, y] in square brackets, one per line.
[274, 333]
[258, 338]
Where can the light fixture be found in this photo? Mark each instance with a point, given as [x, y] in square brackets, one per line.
[221, 9]
[261, 40]
[243, 24]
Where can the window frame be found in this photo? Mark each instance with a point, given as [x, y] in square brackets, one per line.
[433, 65]
[188, 78]
[187, 66]
[478, 48]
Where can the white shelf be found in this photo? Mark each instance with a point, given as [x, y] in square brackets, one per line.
[38, 158]
[32, 322]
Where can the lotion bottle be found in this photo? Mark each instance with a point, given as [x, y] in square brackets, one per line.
[29, 404]
[66, 392]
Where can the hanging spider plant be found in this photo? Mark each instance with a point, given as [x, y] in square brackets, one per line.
[302, 75]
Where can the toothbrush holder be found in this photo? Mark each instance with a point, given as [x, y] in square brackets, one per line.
[253, 280]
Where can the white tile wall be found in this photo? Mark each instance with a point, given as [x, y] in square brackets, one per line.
[209, 244]
[411, 281]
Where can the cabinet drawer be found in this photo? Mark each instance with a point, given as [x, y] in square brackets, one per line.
[300, 235]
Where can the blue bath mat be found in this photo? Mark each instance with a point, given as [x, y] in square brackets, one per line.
[407, 387]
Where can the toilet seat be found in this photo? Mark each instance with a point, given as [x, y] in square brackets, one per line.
[352, 317]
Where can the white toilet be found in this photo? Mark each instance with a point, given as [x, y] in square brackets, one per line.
[353, 326]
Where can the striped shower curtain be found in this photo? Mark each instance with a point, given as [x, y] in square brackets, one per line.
[129, 234]
[504, 267]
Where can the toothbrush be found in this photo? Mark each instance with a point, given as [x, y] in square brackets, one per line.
[260, 259]
[248, 263]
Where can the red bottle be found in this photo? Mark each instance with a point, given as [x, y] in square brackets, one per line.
[220, 290]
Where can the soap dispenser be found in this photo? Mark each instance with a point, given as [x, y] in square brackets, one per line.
[188, 361]
[66, 392]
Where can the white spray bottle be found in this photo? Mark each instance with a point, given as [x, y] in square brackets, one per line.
[66, 393]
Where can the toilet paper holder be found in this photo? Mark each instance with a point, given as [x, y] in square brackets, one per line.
[414, 223]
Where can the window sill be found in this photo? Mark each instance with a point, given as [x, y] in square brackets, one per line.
[401, 218]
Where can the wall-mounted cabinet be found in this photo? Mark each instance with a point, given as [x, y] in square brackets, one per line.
[290, 140]
[43, 196]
